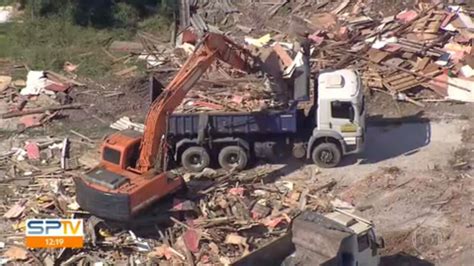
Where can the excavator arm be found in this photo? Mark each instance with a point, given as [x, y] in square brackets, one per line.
[213, 46]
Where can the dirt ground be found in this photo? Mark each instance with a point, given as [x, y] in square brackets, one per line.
[414, 181]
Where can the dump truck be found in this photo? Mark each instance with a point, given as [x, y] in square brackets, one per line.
[337, 238]
[334, 127]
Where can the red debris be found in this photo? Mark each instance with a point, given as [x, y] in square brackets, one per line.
[273, 223]
[342, 34]
[237, 99]
[439, 84]
[447, 19]
[57, 87]
[406, 16]
[391, 47]
[31, 120]
[285, 58]
[191, 240]
[237, 191]
[32, 151]
[189, 37]
[317, 40]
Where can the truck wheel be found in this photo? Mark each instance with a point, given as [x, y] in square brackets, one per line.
[326, 155]
[233, 157]
[195, 159]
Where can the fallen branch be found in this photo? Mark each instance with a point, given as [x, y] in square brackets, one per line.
[81, 135]
[41, 110]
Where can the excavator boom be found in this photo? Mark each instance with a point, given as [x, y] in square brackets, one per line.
[213, 46]
[126, 180]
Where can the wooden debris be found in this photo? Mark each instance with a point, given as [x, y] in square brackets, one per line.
[15, 253]
[126, 71]
[16, 210]
[40, 110]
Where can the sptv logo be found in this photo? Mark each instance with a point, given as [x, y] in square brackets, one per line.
[54, 233]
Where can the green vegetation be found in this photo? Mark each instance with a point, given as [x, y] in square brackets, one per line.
[51, 32]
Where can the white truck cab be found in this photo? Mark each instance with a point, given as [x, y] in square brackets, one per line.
[362, 247]
[340, 126]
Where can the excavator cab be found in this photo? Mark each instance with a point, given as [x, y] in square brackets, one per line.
[121, 149]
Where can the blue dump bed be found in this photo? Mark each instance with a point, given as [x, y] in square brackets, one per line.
[264, 122]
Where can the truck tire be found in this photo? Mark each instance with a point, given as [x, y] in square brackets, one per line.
[233, 157]
[326, 155]
[195, 159]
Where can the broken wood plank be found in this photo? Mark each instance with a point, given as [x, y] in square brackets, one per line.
[125, 46]
[125, 71]
[406, 70]
[41, 110]
[285, 58]
[109, 54]
[63, 78]
[341, 7]
[81, 136]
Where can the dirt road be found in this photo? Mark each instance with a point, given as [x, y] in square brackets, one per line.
[410, 183]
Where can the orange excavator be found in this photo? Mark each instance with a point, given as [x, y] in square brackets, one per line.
[130, 175]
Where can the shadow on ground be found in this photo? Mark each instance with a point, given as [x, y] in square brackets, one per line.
[403, 259]
[388, 138]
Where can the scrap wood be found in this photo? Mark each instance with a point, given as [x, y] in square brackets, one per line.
[81, 136]
[407, 71]
[285, 58]
[54, 75]
[40, 110]
[109, 54]
[340, 7]
[274, 9]
[420, 15]
[401, 27]
[203, 234]
[126, 46]
[404, 97]
[5, 82]
[16, 253]
[16, 210]
[126, 71]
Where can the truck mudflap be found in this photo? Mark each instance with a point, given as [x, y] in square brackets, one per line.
[111, 205]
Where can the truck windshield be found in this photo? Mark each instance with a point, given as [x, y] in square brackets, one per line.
[111, 156]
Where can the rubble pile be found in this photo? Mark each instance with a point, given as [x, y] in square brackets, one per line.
[36, 101]
[220, 219]
[422, 54]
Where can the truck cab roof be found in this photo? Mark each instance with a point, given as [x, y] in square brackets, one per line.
[354, 223]
[341, 84]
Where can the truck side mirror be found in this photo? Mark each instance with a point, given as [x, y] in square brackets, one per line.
[351, 114]
[380, 243]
